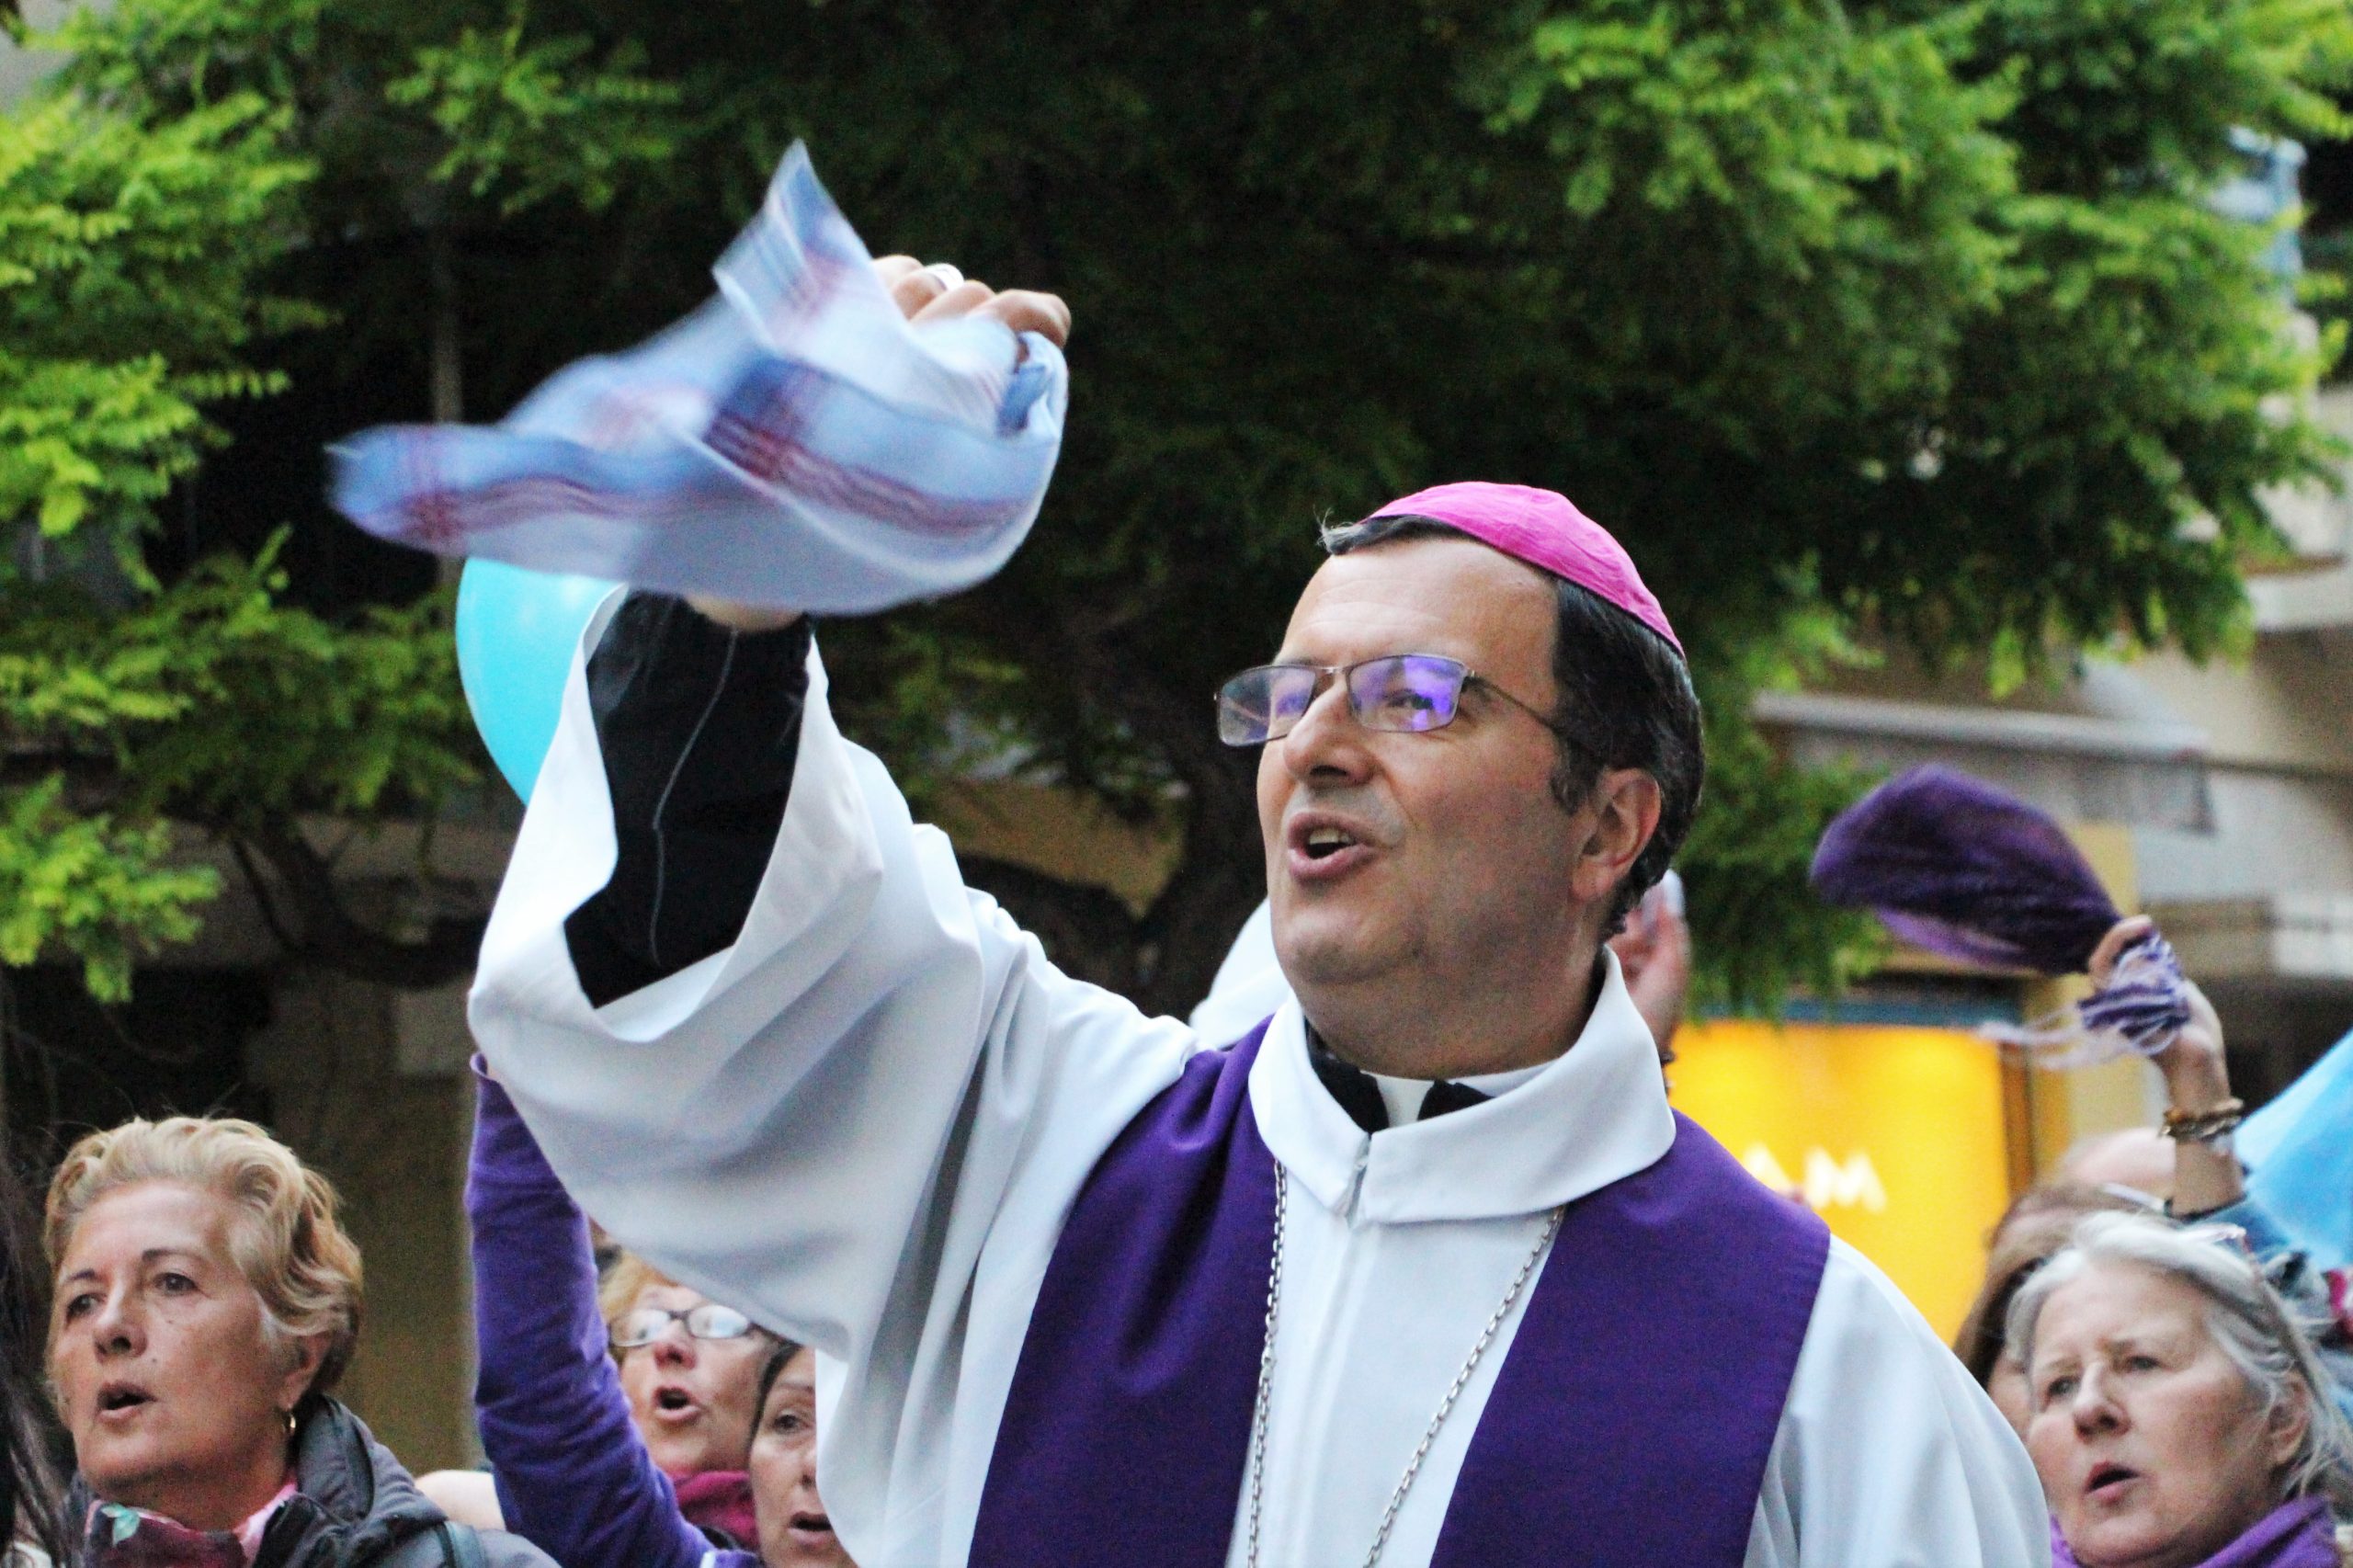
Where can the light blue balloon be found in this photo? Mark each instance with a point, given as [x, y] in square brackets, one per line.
[516, 631]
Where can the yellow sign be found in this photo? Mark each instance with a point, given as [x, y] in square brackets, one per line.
[1894, 1135]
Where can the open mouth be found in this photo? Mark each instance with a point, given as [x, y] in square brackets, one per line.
[1321, 847]
[674, 1402]
[1322, 843]
[2107, 1480]
[811, 1524]
[115, 1399]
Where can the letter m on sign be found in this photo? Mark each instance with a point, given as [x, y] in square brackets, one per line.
[1854, 1184]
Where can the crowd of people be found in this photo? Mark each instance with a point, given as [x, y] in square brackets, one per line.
[1079, 1286]
[2141, 1328]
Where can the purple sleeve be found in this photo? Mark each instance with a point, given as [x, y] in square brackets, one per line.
[573, 1477]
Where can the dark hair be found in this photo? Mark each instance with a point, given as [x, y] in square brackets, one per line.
[1625, 701]
[28, 1485]
[770, 1369]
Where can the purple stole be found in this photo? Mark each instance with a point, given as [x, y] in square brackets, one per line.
[1629, 1425]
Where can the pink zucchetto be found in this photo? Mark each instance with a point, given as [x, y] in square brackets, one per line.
[1544, 528]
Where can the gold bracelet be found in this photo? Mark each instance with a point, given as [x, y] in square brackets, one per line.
[2204, 1126]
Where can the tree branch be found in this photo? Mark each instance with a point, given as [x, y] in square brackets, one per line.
[1174, 951]
[324, 932]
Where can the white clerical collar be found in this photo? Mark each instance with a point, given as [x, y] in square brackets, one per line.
[1404, 1097]
[1596, 1113]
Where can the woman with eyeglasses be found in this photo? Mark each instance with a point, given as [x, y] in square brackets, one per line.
[2177, 1414]
[641, 1425]
[689, 1366]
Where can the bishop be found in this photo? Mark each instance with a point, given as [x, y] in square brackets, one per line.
[1421, 1269]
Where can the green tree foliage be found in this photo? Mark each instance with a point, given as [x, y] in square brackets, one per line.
[1901, 320]
[133, 262]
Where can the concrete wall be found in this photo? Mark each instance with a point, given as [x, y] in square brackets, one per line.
[394, 1141]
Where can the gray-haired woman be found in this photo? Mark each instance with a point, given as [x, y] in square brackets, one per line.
[2179, 1414]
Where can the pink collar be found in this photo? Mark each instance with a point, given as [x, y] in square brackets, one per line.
[249, 1534]
[720, 1499]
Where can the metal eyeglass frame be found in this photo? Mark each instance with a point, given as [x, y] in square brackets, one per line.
[697, 1318]
[1362, 705]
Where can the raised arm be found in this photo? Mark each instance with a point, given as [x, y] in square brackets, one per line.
[698, 724]
[855, 1100]
[828, 1120]
[2208, 1179]
[698, 715]
[574, 1476]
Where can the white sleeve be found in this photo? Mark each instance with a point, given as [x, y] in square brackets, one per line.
[821, 1122]
[1888, 1454]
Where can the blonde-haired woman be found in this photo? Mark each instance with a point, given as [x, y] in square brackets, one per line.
[206, 1299]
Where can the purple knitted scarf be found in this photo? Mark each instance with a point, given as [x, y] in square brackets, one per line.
[1953, 865]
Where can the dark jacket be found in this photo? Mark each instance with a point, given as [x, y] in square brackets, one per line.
[355, 1506]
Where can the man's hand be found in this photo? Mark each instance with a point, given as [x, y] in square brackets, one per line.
[937, 293]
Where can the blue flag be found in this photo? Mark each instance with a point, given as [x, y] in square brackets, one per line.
[2298, 1151]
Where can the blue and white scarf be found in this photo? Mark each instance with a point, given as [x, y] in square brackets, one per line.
[795, 442]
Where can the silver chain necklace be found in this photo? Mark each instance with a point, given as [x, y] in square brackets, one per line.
[1445, 1406]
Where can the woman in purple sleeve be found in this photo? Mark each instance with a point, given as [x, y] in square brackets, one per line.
[573, 1472]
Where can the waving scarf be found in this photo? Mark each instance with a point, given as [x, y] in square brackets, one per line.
[795, 442]
[1953, 865]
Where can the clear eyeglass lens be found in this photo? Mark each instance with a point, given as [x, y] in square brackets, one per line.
[713, 1320]
[1262, 704]
[709, 1320]
[642, 1326]
[1409, 691]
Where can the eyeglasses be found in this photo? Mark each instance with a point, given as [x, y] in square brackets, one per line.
[1398, 692]
[643, 1326]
